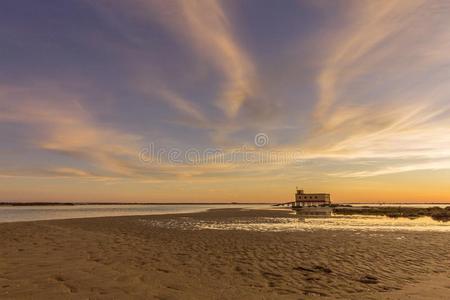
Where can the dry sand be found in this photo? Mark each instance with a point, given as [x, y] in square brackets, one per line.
[128, 257]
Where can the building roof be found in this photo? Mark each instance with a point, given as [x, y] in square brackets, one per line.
[312, 194]
[302, 192]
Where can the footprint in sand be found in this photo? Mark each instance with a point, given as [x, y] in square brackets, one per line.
[369, 279]
[314, 269]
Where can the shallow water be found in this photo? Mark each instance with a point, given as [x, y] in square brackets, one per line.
[296, 223]
[292, 223]
[36, 213]
[364, 223]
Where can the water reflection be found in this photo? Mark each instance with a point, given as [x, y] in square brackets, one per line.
[314, 212]
[308, 223]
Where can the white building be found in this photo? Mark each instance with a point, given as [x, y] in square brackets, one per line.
[302, 199]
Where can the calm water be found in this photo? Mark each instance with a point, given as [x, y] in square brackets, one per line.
[292, 223]
[296, 223]
[336, 222]
[36, 213]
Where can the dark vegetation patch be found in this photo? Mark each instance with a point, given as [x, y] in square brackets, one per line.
[436, 213]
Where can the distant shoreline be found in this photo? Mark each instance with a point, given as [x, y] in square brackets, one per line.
[396, 203]
[124, 203]
[192, 203]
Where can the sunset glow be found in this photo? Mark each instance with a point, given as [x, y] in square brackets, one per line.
[159, 101]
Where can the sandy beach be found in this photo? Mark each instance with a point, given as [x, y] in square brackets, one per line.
[156, 257]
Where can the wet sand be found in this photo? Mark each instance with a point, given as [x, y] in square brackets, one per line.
[131, 257]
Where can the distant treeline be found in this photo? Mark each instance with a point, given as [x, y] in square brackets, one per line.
[34, 203]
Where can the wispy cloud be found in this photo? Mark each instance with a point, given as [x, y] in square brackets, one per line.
[373, 24]
[62, 125]
[382, 89]
[441, 164]
[204, 27]
[212, 37]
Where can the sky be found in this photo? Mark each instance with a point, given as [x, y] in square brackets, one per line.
[220, 101]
